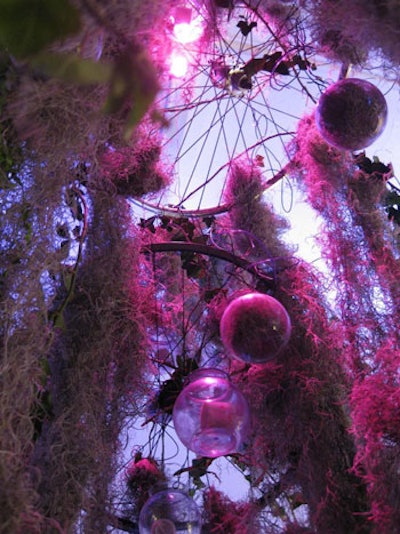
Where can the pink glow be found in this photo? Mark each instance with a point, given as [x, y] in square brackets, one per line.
[215, 414]
[179, 65]
[186, 32]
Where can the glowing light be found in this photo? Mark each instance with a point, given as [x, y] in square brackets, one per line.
[179, 65]
[186, 29]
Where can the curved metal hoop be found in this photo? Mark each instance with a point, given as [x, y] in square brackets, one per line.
[212, 251]
[214, 121]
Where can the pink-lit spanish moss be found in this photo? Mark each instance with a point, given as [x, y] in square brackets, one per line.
[365, 273]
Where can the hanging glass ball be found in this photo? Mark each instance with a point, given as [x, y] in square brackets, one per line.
[211, 416]
[351, 114]
[255, 328]
[169, 512]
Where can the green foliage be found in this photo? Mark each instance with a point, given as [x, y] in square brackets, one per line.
[10, 158]
[133, 82]
[28, 26]
[42, 408]
[71, 68]
[10, 150]
[131, 77]
[198, 469]
[26, 211]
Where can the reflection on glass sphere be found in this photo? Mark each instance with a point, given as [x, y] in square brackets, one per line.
[211, 416]
[169, 512]
[351, 114]
[163, 526]
[255, 328]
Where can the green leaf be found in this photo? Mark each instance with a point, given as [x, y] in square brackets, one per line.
[72, 68]
[28, 26]
[134, 82]
[46, 372]
[59, 321]
[27, 222]
[68, 279]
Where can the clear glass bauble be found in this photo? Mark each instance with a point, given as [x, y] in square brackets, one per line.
[211, 416]
[351, 114]
[255, 328]
[168, 512]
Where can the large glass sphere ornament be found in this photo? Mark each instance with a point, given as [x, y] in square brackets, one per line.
[255, 328]
[211, 416]
[351, 114]
[169, 512]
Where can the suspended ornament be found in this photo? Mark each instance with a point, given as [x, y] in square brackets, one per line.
[169, 512]
[351, 114]
[255, 328]
[211, 416]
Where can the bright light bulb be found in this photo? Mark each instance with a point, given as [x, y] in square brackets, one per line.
[188, 32]
[179, 65]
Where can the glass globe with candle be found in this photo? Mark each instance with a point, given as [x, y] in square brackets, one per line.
[170, 511]
[211, 416]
